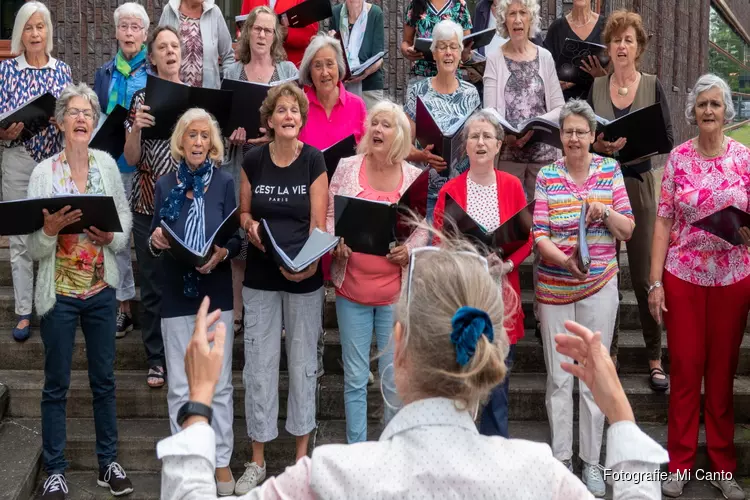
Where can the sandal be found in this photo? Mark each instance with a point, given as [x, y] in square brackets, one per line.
[658, 384]
[155, 378]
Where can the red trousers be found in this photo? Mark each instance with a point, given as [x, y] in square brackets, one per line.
[705, 326]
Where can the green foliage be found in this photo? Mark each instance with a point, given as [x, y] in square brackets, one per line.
[725, 37]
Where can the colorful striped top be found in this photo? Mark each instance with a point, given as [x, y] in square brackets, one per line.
[556, 215]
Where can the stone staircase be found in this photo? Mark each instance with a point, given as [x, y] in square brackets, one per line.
[143, 421]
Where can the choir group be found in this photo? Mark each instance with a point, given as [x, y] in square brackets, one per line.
[459, 310]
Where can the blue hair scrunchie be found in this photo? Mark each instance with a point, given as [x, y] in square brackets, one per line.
[469, 323]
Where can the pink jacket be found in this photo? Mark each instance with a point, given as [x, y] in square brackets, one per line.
[496, 76]
[345, 181]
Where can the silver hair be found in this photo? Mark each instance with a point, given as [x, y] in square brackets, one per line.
[132, 9]
[23, 16]
[578, 107]
[488, 115]
[501, 8]
[319, 42]
[76, 90]
[704, 83]
[446, 30]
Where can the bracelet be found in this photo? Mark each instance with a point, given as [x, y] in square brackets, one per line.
[512, 266]
[226, 255]
[154, 253]
[657, 284]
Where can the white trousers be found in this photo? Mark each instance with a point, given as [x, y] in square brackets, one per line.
[17, 166]
[177, 333]
[597, 313]
[126, 287]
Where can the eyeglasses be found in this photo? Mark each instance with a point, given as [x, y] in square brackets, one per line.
[580, 133]
[135, 28]
[260, 29]
[74, 112]
[445, 47]
[486, 137]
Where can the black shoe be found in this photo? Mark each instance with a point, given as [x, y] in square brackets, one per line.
[124, 324]
[114, 478]
[55, 488]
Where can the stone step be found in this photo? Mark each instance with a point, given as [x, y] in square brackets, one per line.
[4, 398]
[136, 400]
[131, 355]
[20, 457]
[137, 454]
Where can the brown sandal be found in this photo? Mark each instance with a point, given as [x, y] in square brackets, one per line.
[155, 378]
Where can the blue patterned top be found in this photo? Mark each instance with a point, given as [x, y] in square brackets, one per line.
[21, 83]
[447, 109]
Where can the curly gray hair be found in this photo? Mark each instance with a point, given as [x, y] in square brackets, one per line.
[501, 9]
[319, 42]
[76, 90]
[578, 107]
[704, 83]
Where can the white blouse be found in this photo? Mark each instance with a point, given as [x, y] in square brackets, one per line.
[429, 450]
[481, 204]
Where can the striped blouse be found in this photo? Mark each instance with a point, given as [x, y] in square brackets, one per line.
[556, 216]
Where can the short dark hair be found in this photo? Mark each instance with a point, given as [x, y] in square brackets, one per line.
[154, 34]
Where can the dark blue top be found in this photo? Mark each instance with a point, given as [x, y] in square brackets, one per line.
[219, 202]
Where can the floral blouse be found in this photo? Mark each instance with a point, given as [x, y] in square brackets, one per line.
[79, 263]
[455, 10]
[524, 99]
[694, 187]
[21, 83]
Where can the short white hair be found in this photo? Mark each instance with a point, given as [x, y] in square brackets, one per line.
[76, 90]
[23, 16]
[318, 42]
[446, 30]
[501, 8]
[132, 9]
[704, 83]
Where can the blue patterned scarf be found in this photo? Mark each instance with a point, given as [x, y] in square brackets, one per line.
[195, 227]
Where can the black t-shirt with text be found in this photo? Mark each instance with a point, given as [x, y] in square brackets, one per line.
[281, 196]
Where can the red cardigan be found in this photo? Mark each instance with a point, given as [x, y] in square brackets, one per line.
[510, 199]
[298, 38]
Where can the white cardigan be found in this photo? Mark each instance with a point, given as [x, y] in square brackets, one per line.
[496, 75]
[42, 247]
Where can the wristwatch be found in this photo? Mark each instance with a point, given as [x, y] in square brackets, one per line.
[657, 284]
[606, 214]
[192, 408]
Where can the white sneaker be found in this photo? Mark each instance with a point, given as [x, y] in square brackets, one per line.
[254, 474]
[591, 475]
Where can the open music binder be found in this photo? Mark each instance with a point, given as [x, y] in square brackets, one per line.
[506, 239]
[34, 114]
[247, 98]
[582, 246]
[181, 252]
[318, 244]
[110, 135]
[169, 100]
[574, 52]
[725, 224]
[645, 129]
[545, 130]
[345, 148]
[25, 216]
[307, 13]
[375, 227]
[480, 39]
[447, 143]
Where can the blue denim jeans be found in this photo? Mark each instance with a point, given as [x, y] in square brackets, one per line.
[98, 322]
[494, 420]
[356, 324]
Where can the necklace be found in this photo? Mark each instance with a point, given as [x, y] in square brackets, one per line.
[588, 19]
[715, 153]
[623, 91]
[272, 148]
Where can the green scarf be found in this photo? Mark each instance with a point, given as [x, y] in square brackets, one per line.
[123, 70]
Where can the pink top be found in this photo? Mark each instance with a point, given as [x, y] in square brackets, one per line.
[694, 187]
[347, 117]
[371, 279]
